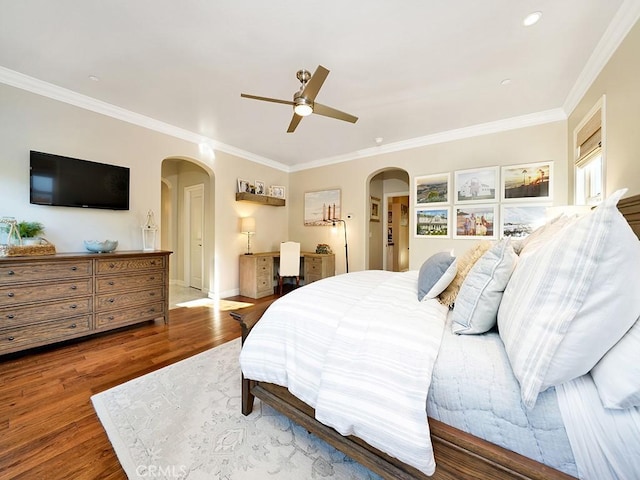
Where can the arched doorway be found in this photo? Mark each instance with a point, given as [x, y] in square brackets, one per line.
[389, 237]
[188, 225]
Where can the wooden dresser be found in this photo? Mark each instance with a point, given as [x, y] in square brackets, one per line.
[47, 299]
[258, 271]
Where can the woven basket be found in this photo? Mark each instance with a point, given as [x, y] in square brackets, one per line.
[45, 248]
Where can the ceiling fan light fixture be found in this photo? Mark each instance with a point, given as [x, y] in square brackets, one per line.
[302, 107]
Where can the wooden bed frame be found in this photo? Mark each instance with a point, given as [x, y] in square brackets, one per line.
[458, 454]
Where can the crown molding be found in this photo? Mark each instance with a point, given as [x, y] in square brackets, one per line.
[49, 90]
[626, 17]
[539, 118]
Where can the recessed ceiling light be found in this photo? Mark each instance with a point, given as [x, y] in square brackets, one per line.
[532, 19]
[94, 78]
[506, 81]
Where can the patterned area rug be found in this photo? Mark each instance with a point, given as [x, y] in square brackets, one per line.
[184, 422]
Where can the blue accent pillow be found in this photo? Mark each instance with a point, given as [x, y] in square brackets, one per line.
[436, 273]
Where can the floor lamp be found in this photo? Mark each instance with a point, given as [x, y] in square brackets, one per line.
[346, 245]
[248, 227]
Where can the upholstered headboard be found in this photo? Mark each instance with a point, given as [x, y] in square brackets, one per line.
[630, 208]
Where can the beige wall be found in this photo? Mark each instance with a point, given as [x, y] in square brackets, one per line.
[531, 144]
[619, 81]
[32, 122]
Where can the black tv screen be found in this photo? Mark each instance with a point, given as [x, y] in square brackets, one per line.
[71, 182]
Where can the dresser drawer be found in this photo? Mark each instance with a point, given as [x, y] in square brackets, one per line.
[42, 312]
[38, 271]
[19, 338]
[313, 266]
[129, 315]
[132, 282]
[15, 295]
[312, 278]
[123, 265]
[124, 299]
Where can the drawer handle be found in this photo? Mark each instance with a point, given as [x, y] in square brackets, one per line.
[110, 317]
[112, 265]
[74, 268]
[73, 307]
[112, 283]
[152, 294]
[153, 262]
[11, 272]
[11, 294]
[152, 310]
[74, 287]
[73, 325]
[10, 316]
[111, 300]
[152, 278]
[11, 339]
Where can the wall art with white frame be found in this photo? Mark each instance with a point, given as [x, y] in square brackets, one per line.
[478, 185]
[527, 182]
[475, 221]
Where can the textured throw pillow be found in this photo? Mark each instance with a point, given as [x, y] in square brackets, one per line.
[436, 273]
[476, 308]
[617, 374]
[465, 262]
[571, 300]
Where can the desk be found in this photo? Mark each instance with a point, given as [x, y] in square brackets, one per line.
[257, 271]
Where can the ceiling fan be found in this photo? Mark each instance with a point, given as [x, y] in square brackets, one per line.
[304, 99]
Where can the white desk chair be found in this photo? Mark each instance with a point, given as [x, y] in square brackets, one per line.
[289, 262]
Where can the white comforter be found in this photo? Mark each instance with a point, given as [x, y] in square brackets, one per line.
[362, 355]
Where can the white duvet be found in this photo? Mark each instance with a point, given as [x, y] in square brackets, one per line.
[362, 354]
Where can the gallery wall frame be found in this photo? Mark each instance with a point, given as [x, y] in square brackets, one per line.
[477, 185]
[432, 190]
[519, 220]
[322, 206]
[527, 182]
[475, 221]
[432, 222]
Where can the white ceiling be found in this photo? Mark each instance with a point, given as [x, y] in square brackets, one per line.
[408, 69]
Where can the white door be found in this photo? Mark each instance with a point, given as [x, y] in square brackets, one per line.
[194, 215]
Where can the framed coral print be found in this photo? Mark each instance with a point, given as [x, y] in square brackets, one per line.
[321, 207]
[432, 222]
[527, 182]
[477, 221]
[479, 185]
[432, 189]
[518, 221]
[374, 209]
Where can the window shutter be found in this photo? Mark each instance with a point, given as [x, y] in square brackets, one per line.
[589, 137]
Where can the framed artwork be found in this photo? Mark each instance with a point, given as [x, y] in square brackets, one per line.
[321, 207]
[276, 191]
[477, 221]
[244, 186]
[479, 185]
[260, 188]
[374, 209]
[527, 182]
[518, 221]
[432, 189]
[432, 222]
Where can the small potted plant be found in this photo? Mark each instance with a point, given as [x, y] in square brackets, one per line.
[30, 232]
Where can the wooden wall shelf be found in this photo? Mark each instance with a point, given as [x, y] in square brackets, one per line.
[261, 199]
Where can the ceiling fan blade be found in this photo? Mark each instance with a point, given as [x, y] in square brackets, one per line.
[267, 99]
[333, 113]
[313, 86]
[294, 123]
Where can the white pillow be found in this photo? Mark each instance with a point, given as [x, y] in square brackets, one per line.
[617, 374]
[571, 300]
[436, 273]
[476, 307]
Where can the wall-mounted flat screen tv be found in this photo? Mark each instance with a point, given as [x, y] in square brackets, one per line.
[71, 182]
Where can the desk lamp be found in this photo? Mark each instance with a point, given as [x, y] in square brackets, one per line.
[248, 227]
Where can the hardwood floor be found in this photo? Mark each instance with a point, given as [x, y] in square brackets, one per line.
[48, 428]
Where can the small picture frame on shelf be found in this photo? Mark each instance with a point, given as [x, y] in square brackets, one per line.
[277, 191]
[260, 190]
[244, 186]
[374, 209]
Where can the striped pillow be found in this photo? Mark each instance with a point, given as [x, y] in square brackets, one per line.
[570, 301]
